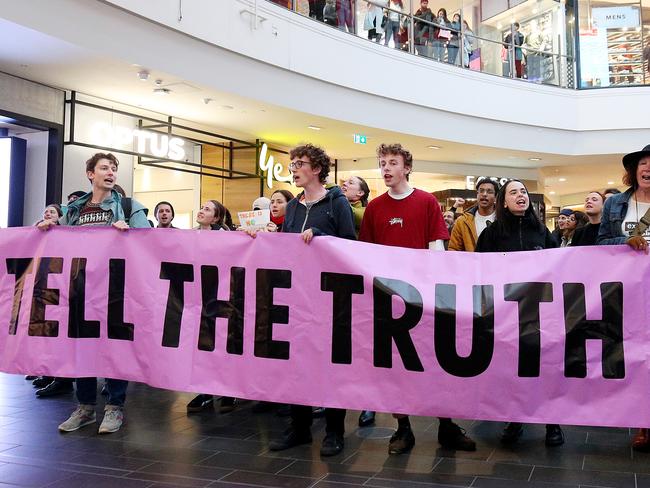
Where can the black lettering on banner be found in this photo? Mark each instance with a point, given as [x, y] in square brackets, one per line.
[78, 326]
[232, 309]
[388, 329]
[609, 330]
[480, 356]
[20, 267]
[117, 328]
[342, 287]
[529, 295]
[44, 296]
[178, 274]
[267, 313]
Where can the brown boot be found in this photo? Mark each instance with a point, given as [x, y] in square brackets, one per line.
[641, 441]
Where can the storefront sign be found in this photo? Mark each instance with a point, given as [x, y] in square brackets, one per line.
[470, 181]
[335, 323]
[615, 17]
[145, 142]
[271, 168]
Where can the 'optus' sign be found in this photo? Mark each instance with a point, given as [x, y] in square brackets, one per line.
[144, 141]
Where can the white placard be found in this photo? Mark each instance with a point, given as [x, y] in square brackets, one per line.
[615, 17]
[255, 219]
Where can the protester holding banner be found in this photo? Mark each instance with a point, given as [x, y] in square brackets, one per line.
[211, 216]
[588, 234]
[164, 213]
[407, 217]
[279, 200]
[316, 211]
[356, 190]
[472, 223]
[102, 207]
[518, 228]
[625, 220]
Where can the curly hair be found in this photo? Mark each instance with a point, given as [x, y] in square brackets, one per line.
[396, 150]
[318, 158]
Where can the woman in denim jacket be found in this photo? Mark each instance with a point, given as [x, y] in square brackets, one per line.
[621, 215]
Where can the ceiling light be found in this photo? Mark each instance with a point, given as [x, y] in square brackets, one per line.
[314, 127]
[227, 107]
[534, 159]
[610, 182]
[162, 91]
[143, 75]
[562, 179]
[551, 193]
[207, 100]
[433, 147]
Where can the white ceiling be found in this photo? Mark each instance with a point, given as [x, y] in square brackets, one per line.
[51, 61]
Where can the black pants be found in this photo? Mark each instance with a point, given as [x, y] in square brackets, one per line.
[301, 419]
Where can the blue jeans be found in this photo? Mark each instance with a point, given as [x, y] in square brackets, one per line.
[87, 391]
[392, 29]
[452, 54]
[438, 50]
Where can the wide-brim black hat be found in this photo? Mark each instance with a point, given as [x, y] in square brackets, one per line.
[633, 158]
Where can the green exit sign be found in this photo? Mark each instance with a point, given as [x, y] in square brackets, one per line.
[359, 139]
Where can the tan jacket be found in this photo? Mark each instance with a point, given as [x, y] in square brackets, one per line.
[463, 235]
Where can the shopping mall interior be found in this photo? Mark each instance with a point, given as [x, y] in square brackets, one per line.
[196, 96]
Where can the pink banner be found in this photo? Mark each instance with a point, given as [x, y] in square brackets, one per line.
[557, 336]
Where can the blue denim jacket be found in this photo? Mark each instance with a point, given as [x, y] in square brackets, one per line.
[138, 215]
[611, 223]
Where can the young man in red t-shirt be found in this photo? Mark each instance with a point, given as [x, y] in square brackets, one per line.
[407, 217]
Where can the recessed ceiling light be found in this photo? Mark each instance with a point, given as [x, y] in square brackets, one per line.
[433, 147]
[551, 193]
[227, 107]
[562, 179]
[314, 127]
[534, 159]
[162, 91]
[143, 75]
[610, 182]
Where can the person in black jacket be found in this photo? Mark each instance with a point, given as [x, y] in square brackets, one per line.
[316, 211]
[518, 228]
[588, 234]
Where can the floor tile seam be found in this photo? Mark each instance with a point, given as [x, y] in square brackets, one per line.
[290, 464]
[424, 484]
[227, 474]
[317, 481]
[530, 476]
[270, 474]
[133, 476]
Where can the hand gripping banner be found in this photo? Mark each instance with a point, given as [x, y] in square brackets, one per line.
[555, 336]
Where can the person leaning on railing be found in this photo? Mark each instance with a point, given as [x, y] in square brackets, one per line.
[423, 28]
[441, 35]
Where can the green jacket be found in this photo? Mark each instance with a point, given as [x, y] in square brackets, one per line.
[357, 210]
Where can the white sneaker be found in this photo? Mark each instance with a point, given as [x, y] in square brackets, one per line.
[82, 416]
[113, 419]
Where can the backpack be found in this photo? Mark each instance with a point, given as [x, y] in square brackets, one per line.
[127, 204]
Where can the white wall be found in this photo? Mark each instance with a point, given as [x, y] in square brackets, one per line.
[35, 176]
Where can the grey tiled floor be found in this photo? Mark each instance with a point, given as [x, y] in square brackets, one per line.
[161, 446]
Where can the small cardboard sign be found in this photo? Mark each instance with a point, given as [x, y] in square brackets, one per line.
[255, 219]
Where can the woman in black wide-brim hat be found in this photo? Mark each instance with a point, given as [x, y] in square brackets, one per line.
[622, 215]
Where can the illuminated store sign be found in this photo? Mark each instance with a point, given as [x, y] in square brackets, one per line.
[146, 142]
[271, 168]
[470, 181]
[5, 168]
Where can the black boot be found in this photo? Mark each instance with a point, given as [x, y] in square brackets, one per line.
[289, 439]
[554, 435]
[452, 436]
[366, 418]
[332, 444]
[200, 403]
[512, 433]
[56, 387]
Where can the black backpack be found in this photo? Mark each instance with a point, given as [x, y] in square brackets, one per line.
[127, 204]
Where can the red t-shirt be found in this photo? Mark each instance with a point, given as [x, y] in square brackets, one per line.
[411, 222]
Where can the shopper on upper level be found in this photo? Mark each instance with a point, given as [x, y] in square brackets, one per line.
[373, 20]
[454, 41]
[516, 43]
[441, 34]
[393, 20]
[423, 35]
